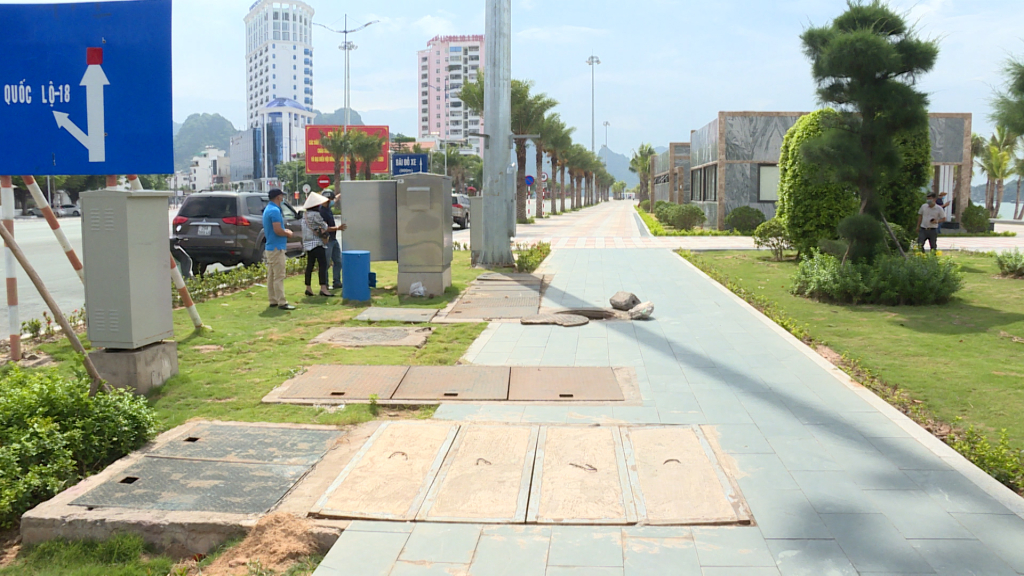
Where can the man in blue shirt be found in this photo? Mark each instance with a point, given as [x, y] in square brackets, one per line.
[277, 246]
[333, 247]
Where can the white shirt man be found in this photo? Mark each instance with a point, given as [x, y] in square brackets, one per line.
[929, 218]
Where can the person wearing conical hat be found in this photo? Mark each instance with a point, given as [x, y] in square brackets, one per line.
[316, 234]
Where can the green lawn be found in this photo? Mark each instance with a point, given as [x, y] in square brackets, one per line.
[964, 359]
[226, 371]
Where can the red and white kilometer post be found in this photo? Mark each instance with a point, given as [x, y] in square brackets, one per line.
[11, 268]
[51, 219]
[179, 282]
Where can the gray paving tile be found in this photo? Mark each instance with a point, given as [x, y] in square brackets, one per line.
[590, 415]
[348, 556]
[585, 546]
[873, 544]
[497, 413]
[545, 414]
[916, 515]
[810, 558]
[955, 493]
[729, 546]
[636, 414]
[676, 532]
[429, 569]
[448, 543]
[833, 492]
[516, 530]
[1002, 533]
[763, 471]
[909, 454]
[510, 554]
[457, 412]
[676, 417]
[803, 454]
[741, 439]
[660, 557]
[373, 526]
[962, 558]
[740, 571]
[486, 358]
[875, 425]
[785, 514]
[583, 571]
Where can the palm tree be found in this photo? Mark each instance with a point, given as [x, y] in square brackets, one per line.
[366, 148]
[575, 160]
[339, 145]
[1018, 169]
[528, 112]
[551, 128]
[640, 164]
[1000, 167]
[558, 148]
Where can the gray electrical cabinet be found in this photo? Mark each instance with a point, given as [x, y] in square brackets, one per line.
[424, 232]
[127, 268]
[370, 212]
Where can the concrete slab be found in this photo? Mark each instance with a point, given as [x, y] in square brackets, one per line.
[447, 383]
[342, 383]
[389, 477]
[361, 337]
[564, 384]
[410, 315]
[141, 370]
[485, 478]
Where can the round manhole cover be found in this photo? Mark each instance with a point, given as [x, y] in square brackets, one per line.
[374, 337]
[567, 320]
[591, 313]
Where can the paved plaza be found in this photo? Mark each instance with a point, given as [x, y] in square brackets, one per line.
[838, 482]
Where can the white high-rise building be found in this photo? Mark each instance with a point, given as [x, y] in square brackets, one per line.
[444, 67]
[278, 54]
[279, 90]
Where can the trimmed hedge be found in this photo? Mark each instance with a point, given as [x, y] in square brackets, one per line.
[745, 219]
[922, 279]
[52, 434]
[974, 219]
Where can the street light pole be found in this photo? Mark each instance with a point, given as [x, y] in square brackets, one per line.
[347, 47]
[606, 125]
[593, 61]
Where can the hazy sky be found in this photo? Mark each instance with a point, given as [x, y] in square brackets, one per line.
[668, 66]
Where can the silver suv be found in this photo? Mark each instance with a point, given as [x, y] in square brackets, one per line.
[460, 210]
[227, 228]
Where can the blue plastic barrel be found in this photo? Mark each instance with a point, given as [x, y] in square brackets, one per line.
[355, 275]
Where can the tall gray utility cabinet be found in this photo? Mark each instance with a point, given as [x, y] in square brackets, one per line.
[424, 232]
[127, 268]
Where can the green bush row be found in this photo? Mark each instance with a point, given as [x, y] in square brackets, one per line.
[222, 282]
[890, 280]
[529, 259]
[52, 434]
[1011, 263]
[656, 229]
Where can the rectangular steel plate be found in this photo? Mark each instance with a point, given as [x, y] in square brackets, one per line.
[485, 477]
[346, 382]
[498, 278]
[413, 315]
[580, 477]
[676, 478]
[195, 486]
[254, 444]
[571, 384]
[493, 313]
[454, 383]
[513, 300]
[389, 477]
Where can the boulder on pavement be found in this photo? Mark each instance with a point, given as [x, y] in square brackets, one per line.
[641, 311]
[624, 301]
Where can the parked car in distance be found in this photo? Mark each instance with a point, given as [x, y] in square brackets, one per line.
[67, 210]
[226, 228]
[34, 211]
[460, 210]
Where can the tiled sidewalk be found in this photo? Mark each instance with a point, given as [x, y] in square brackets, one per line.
[839, 483]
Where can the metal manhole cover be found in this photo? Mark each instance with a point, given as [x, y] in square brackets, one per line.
[566, 384]
[360, 337]
[195, 486]
[499, 301]
[493, 313]
[516, 278]
[413, 315]
[567, 320]
[454, 383]
[340, 383]
[592, 313]
[254, 444]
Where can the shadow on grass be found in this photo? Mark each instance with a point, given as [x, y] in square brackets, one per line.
[954, 318]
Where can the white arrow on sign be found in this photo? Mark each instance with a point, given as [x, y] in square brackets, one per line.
[95, 141]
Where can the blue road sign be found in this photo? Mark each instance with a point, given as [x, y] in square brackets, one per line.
[409, 164]
[530, 180]
[86, 88]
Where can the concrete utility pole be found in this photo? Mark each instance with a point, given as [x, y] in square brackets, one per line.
[593, 61]
[499, 195]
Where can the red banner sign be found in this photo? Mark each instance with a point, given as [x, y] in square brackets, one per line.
[320, 161]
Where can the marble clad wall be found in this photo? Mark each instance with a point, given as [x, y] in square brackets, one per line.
[684, 151]
[756, 138]
[741, 189]
[660, 164]
[710, 211]
[947, 136]
[704, 144]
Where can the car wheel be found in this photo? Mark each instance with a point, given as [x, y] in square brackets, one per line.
[76, 213]
[257, 255]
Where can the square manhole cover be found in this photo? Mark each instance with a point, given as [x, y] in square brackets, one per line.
[195, 486]
[346, 382]
[361, 337]
[454, 383]
[413, 315]
[567, 384]
[253, 444]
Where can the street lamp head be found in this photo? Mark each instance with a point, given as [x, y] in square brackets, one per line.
[593, 60]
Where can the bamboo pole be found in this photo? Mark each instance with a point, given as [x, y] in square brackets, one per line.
[57, 314]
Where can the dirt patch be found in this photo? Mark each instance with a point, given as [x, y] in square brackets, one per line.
[10, 546]
[278, 541]
[208, 348]
[1015, 339]
[829, 354]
